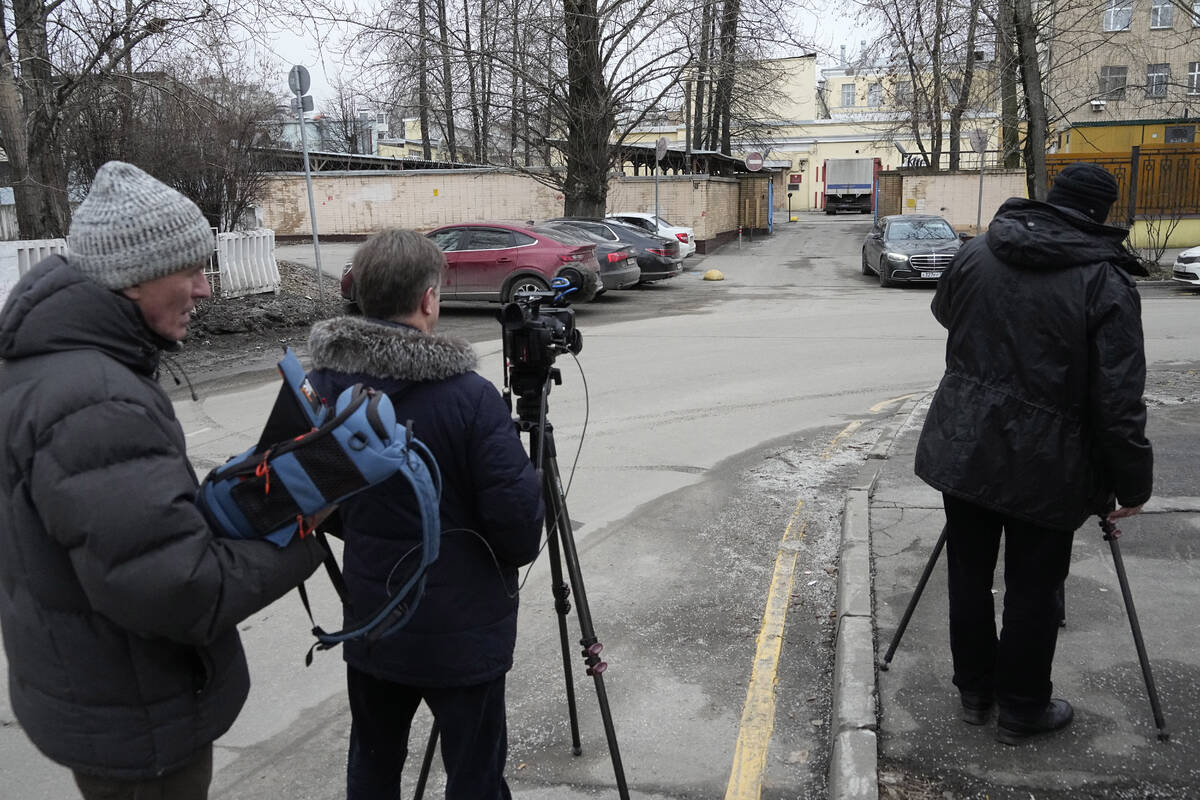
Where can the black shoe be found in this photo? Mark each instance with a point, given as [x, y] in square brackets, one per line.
[976, 708]
[1012, 730]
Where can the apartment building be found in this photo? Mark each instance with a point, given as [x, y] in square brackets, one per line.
[1125, 73]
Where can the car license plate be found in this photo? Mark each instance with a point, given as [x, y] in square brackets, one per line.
[931, 274]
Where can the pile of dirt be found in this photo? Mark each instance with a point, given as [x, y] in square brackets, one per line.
[235, 334]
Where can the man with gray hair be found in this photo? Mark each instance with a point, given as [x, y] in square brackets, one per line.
[119, 606]
[456, 650]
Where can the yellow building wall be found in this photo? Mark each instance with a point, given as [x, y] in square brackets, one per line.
[1185, 234]
[1113, 138]
[795, 95]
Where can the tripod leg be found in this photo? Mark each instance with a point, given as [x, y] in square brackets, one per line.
[1111, 534]
[556, 505]
[916, 598]
[426, 762]
[562, 605]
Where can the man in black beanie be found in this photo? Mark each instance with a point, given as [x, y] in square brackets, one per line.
[1086, 188]
[1037, 424]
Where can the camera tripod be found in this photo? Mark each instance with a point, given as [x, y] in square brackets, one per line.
[1111, 534]
[531, 408]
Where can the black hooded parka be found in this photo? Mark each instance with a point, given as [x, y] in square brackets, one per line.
[1039, 414]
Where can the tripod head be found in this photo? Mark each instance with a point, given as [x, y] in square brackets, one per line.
[535, 331]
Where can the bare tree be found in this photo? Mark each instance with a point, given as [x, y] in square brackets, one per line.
[51, 49]
[345, 130]
[195, 124]
[930, 55]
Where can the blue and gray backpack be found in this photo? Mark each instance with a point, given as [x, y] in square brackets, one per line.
[311, 457]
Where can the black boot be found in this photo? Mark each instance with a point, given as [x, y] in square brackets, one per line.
[1018, 730]
[976, 707]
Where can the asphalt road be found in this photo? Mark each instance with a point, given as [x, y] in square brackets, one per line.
[708, 432]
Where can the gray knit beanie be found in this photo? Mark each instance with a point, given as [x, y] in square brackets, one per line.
[133, 228]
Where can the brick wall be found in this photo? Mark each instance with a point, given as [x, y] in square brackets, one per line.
[955, 196]
[360, 203]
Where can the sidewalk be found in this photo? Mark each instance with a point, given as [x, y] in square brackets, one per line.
[1111, 750]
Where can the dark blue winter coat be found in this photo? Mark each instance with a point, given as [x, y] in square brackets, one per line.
[465, 626]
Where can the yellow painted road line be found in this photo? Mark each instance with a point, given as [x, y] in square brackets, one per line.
[875, 409]
[842, 434]
[758, 715]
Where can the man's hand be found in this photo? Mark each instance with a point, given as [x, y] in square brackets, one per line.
[1124, 511]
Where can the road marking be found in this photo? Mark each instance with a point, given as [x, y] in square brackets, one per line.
[196, 432]
[875, 409]
[758, 714]
[842, 434]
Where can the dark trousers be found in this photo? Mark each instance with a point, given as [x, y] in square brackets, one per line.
[189, 783]
[474, 737]
[1015, 666]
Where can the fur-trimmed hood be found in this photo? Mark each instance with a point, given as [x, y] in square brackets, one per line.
[388, 350]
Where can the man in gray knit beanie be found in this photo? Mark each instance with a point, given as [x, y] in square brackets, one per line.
[133, 228]
[120, 615]
[135, 234]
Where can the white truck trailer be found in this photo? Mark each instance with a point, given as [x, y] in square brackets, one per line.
[850, 184]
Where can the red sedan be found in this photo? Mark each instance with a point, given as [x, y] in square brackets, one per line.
[494, 260]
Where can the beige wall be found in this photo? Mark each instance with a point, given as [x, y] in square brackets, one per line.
[360, 203]
[956, 196]
[357, 203]
[706, 204]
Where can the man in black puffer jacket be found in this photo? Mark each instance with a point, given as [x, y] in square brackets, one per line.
[455, 651]
[1037, 424]
[118, 606]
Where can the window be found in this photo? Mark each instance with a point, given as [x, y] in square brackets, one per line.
[1162, 14]
[904, 91]
[1112, 82]
[447, 241]
[1157, 76]
[847, 94]
[1118, 14]
[875, 94]
[1196, 14]
[490, 239]
[1193, 84]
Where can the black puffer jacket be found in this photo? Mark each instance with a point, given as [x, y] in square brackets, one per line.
[465, 626]
[118, 606]
[1040, 412]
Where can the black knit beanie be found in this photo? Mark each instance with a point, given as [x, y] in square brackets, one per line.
[1084, 187]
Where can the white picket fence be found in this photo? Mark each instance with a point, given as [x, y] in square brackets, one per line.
[17, 257]
[247, 262]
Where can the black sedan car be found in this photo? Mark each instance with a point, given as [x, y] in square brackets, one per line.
[909, 248]
[618, 263]
[657, 256]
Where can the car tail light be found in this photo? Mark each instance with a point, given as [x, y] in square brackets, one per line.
[681, 237]
[615, 257]
[658, 251]
[567, 258]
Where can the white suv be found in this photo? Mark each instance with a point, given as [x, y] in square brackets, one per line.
[649, 222]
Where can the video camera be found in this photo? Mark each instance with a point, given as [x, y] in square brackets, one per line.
[535, 332]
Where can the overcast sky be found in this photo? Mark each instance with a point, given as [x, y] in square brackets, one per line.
[828, 24]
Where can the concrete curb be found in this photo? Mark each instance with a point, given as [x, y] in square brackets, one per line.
[854, 763]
